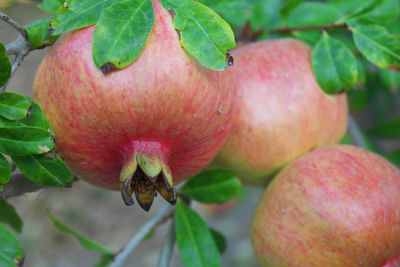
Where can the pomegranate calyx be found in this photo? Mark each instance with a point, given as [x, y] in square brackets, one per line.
[145, 175]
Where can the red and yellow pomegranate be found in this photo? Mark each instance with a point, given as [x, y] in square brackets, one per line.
[282, 112]
[157, 122]
[335, 206]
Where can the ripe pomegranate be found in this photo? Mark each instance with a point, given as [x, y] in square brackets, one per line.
[335, 206]
[157, 122]
[282, 112]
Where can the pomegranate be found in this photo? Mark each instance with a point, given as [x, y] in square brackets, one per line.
[335, 206]
[282, 112]
[141, 129]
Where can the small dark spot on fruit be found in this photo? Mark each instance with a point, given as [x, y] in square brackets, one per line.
[107, 67]
[229, 60]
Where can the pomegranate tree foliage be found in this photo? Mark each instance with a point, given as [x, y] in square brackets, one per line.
[356, 49]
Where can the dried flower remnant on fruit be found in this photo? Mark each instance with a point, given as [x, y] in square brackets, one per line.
[145, 175]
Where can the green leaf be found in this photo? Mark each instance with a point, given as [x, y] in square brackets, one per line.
[14, 106]
[312, 14]
[76, 14]
[381, 12]
[230, 5]
[204, 34]
[51, 6]
[106, 260]
[44, 169]
[24, 140]
[216, 186]
[346, 140]
[347, 5]
[358, 100]
[84, 241]
[38, 33]
[389, 129]
[5, 66]
[334, 65]
[390, 79]
[11, 253]
[219, 240]
[376, 44]
[394, 158]
[195, 241]
[5, 170]
[289, 6]
[119, 40]
[9, 216]
[36, 118]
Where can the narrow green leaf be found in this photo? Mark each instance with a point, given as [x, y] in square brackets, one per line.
[394, 158]
[389, 129]
[11, 253]
[84, 241]
[5, 66]
[36, 118]
[24, 140]
[376, 44]
[51, 6]
[313, 14]
[195, 241]
[14, 106]
[289, 6]
[5, 170]
[76, 14]
[119, 40]
[219, 240]
[44, 169]
[334, 65]
[8, 215]
[381, 12]
[204, 34]
[216, 186]
[38, 33]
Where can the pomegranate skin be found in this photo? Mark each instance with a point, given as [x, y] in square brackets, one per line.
[335, 206]
[164, 104]
[282, 112]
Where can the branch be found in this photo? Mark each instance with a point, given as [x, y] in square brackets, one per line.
[14, 24]
[163, 215]
[20, 47]
[306, 28]
[166, 252]
[17, 186]
[356, 133]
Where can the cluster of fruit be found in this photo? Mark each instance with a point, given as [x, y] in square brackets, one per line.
[165, 117]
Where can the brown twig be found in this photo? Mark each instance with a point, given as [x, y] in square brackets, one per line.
[18, 186]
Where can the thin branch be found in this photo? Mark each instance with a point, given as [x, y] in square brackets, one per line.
[14, 24]
[141, 234]
[17, 186]
[306, 28]
[166, 252]
[356, 133]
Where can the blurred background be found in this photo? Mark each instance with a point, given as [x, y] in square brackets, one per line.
[101, 215]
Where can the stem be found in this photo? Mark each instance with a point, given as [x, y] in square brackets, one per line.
[356, 133]
[161, 216]
[166, 252]
[17, 186]
[305, 28]
[14, 24]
